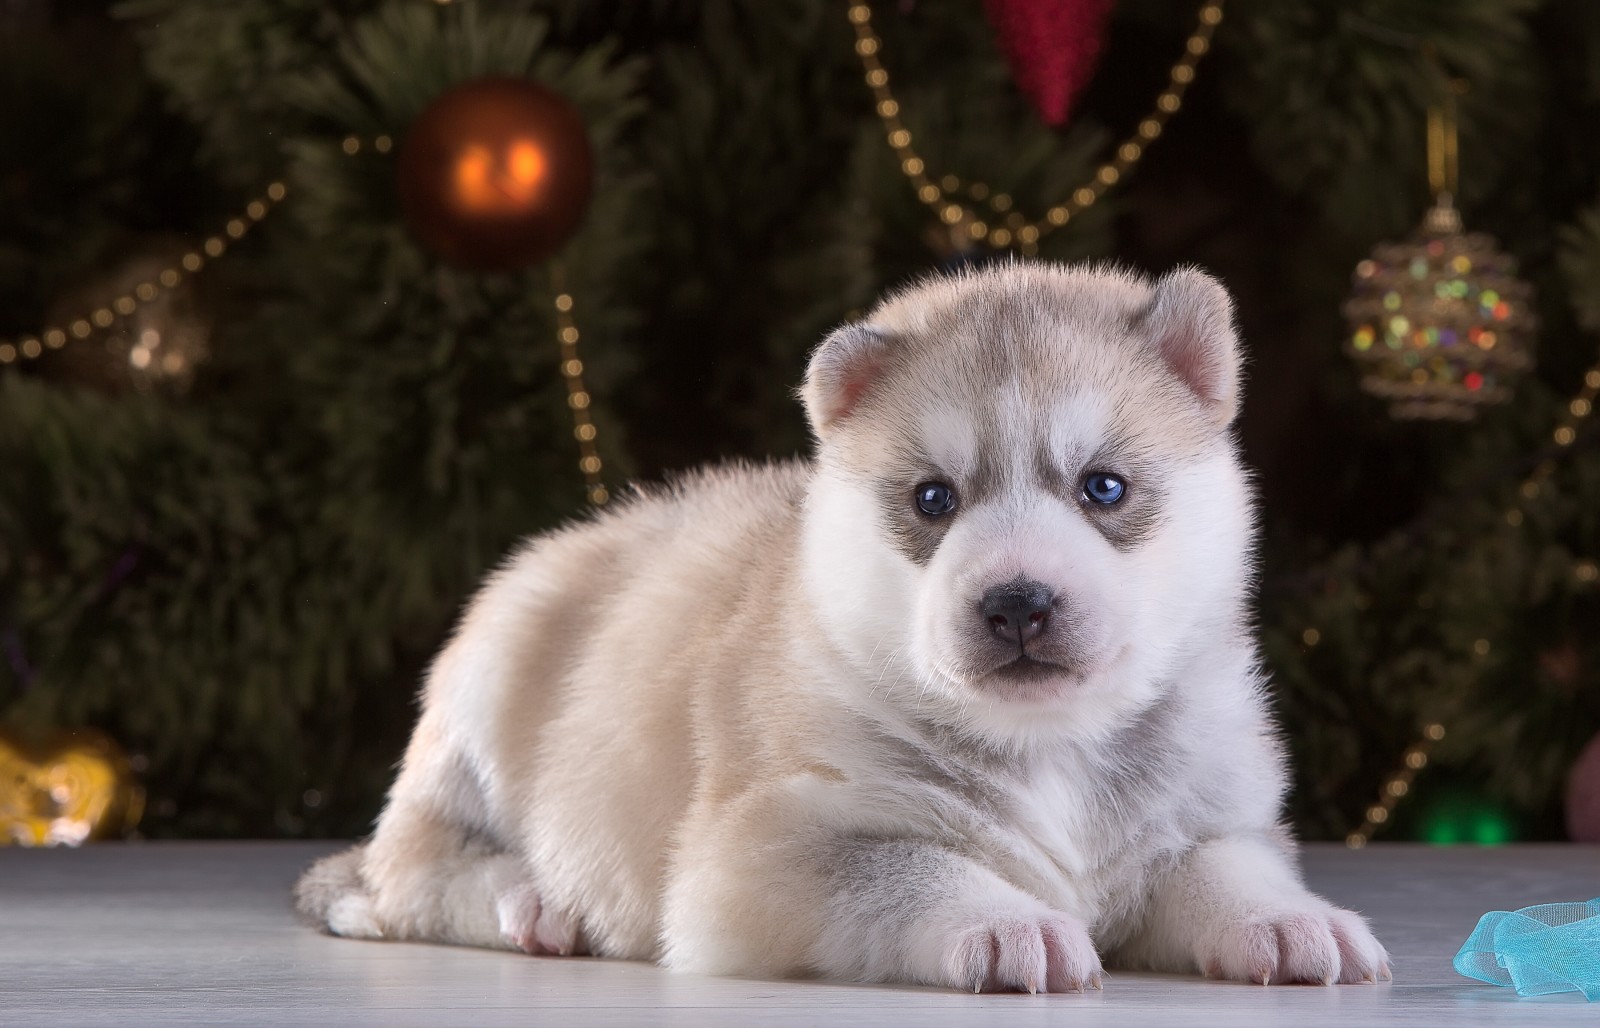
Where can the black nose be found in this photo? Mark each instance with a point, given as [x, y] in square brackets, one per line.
[1018, 610]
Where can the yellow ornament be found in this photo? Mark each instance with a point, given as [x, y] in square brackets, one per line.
[75, 788]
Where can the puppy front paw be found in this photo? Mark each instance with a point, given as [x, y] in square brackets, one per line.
[1006, 952]
[1318, 946]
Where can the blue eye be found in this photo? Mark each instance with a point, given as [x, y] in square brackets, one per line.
[1103, 488]
[935, 498]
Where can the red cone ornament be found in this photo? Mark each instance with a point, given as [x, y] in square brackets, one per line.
[1052, 47]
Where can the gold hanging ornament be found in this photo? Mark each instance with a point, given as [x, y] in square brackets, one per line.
[164, 342]
[1440, 324]
[154, 344]
[67, 791]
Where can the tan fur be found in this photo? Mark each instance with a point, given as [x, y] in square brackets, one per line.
[738, 726]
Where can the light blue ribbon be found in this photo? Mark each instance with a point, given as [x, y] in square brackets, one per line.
[1553, 947]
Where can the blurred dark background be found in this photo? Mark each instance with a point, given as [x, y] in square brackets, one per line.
[234, 554]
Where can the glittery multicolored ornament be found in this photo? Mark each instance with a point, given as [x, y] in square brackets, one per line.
[1440, 324]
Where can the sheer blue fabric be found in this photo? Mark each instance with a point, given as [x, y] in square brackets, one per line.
[1553, 947]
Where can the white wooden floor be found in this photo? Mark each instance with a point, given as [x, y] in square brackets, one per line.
[201, 933]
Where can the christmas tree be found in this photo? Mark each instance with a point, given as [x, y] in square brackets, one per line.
[238, 515]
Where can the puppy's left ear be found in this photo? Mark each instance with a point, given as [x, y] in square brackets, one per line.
[842, 371]
[1190, 323]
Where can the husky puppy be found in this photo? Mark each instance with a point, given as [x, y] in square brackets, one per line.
[968, 699]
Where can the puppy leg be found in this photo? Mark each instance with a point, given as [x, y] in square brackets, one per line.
[1236, 908]
[876, 910]
[436, 884]
[907, 910]
[433, 870]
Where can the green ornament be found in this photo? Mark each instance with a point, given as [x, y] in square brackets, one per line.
[1461, 818]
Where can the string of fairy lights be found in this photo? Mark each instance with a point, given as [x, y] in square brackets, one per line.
[1003, 225]
[1585, 573]
[104, 316]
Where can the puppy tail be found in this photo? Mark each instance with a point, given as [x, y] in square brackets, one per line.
[331, 896]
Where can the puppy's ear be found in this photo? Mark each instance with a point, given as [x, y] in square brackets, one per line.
[1190, 323]
[842, 371]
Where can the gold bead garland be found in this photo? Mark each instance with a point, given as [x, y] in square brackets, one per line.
[1585, 572]
[578, 398]
[353, 145]
[1565, 433]
[29, 347]
[567, 334]
[941, 194]
[103, 317]
[1397, 785]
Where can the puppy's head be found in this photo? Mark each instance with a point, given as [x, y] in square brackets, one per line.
[1029, 507]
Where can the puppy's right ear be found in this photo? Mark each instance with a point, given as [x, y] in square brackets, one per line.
[842, 372]
[1191, 324]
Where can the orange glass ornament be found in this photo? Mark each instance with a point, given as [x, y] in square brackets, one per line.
[496, 173]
